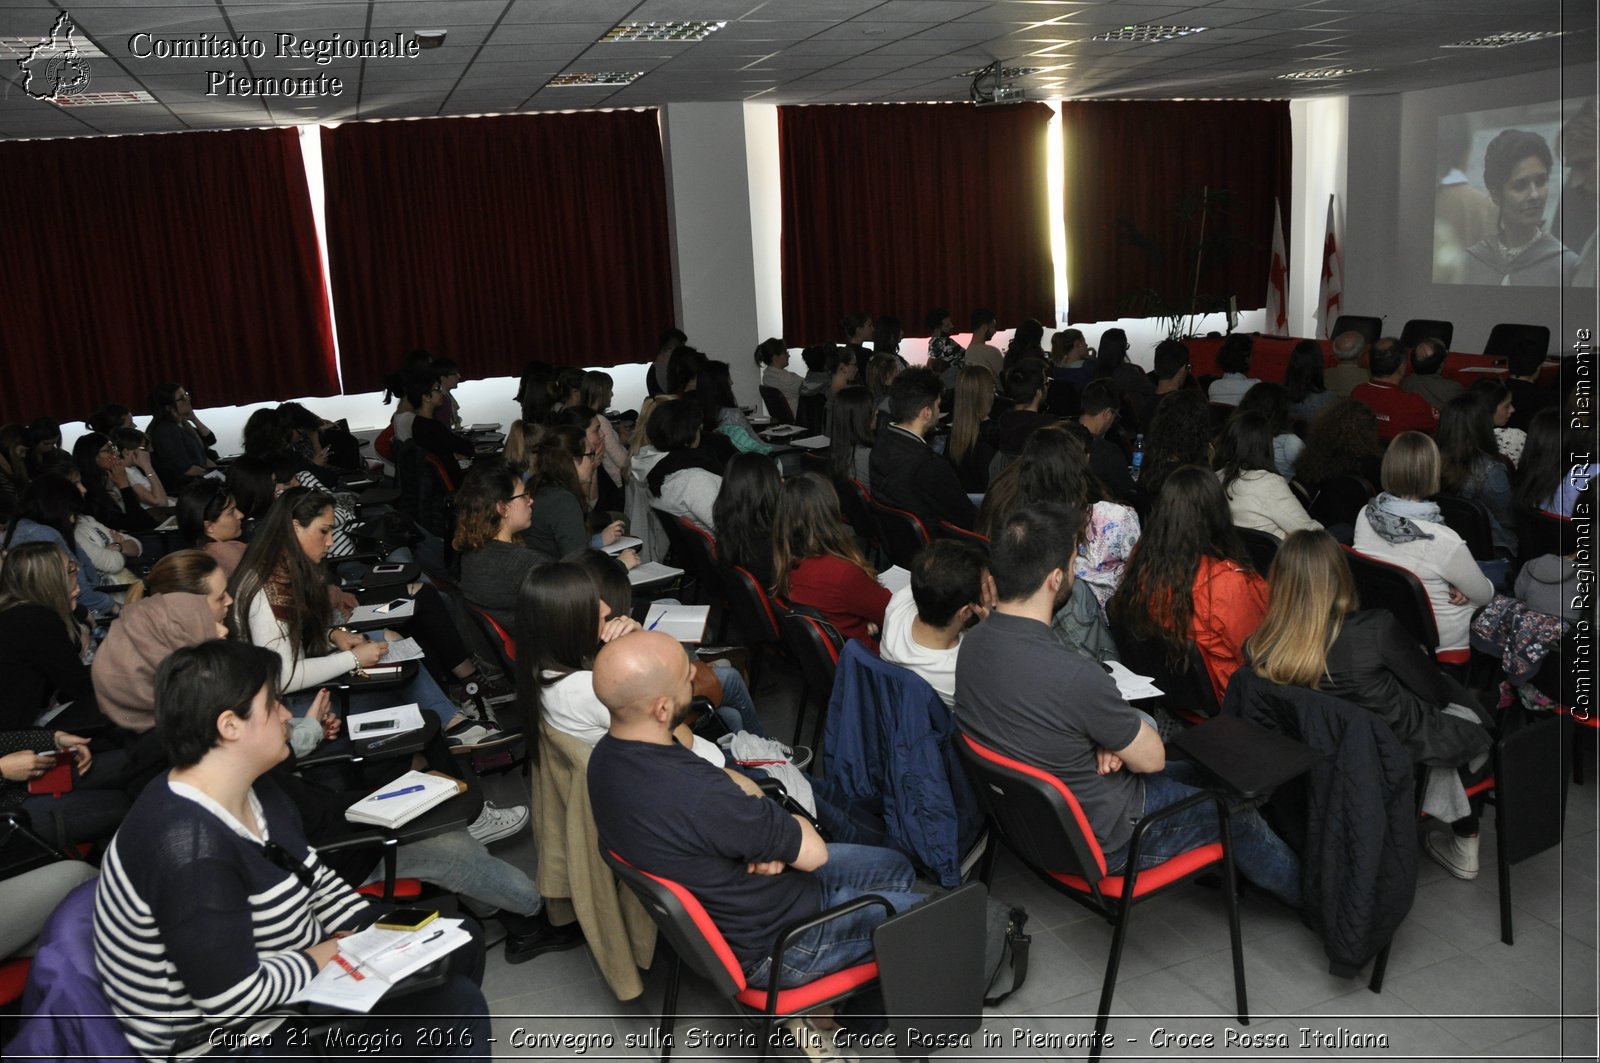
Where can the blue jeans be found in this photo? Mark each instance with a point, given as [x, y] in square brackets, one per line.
[1259, 854]
[851, 871]
[460, 864]
[736, 696]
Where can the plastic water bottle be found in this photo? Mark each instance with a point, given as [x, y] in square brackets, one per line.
[1138, 457]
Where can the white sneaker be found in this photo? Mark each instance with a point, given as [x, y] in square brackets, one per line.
[816, 1043]
[493, 823]
[469, 736]
[1455, 854]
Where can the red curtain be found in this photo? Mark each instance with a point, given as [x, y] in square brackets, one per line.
[137, 260]
[897, 209]
[494, 241]
[1135, 171]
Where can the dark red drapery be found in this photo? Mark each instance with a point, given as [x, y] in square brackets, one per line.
[897, 209]
[1133, 167]
[494, 241]
[138, 260]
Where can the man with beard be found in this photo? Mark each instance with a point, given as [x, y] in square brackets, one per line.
[1024, 695]
[755, 867]
[922, 626]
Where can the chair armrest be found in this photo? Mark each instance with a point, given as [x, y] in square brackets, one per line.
[772, 788]
[371, 840]
[792, 932]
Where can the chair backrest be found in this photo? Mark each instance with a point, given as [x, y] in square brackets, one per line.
[777, 406]
[1217, 414]
[1468, 518]
[904, 534]
[702, 559]
[815, 645]
[1338, 500]
[683, 921]
[687, 555]
[855, 505]
[1062, 399]
[1381, 585]
[946, 530]
[1035, 812]
[1371, 328]
[1530, 788]
[1187, 692]
[1541, 532]
[1421, 328]
[1261, 546]
[1506, 339]
[813, 413]
[752, 607]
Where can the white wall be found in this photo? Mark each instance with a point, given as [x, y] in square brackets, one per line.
[709, 216]
[1389, 246]
[1320, 129]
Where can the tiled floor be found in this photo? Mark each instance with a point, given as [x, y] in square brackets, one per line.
[1453, 990]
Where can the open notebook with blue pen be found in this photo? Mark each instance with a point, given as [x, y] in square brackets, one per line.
[403, 799]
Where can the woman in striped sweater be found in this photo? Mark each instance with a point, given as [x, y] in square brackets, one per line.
[211, 907]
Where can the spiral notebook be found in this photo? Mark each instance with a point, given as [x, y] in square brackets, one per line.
[402, 800]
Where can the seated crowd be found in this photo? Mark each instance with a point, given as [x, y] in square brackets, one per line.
[1077, 510]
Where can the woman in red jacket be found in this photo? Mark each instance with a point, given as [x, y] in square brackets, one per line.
[1190, 580]
[817, 562]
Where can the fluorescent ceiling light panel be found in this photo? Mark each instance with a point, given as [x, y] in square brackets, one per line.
[661, 31]
[104, 99]
[1502, 40]
[607, 77]
[1328, 74]
[1148, 34]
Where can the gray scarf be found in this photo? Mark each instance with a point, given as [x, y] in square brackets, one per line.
[1393, 518]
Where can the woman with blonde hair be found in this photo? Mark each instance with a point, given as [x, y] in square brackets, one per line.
[1314, 636]
[522, 447]
[1403, 527]
[972, 434]
[817, 563]
[41, 643]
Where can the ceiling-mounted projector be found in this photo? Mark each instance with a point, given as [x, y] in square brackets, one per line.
[990, 87]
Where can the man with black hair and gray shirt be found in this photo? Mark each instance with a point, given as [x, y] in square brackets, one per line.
[1024, 695]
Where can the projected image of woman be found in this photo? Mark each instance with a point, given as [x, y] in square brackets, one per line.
[1516, 172]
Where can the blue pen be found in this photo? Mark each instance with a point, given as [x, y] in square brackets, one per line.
[397, 793]
[653, 623]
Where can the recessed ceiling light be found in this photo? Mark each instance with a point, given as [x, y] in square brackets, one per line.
[1148, 33]
[1005, 72]
[104, 99]
[1328, 74]
[21, 47]
[694, 30]
[1502, 40]
[579, 80]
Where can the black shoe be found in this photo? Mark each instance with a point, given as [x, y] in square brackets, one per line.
[532, 935]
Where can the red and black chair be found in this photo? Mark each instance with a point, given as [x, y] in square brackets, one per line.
[855, 505]
[1382, 585]
[1338, 499]
[948, 530]
[1541, 532]
[755, 616]
[697, 943]
[903, 532]
[815, 646]
[1040, 819]
[1506, 339]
